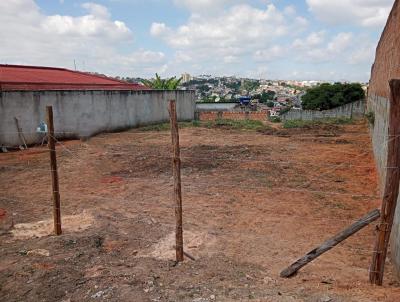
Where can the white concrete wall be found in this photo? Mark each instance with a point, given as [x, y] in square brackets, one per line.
[380, 106]
[85, 113]
[355, 109]
[216, 106]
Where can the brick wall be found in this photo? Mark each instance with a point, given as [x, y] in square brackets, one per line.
[213, 115]
[387, 61]
[385, 68]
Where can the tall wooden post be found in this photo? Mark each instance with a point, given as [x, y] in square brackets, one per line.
[391, 188]
[54, 173]
[176, 168]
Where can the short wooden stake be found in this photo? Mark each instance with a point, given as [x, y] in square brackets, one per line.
[391, 192]
[330, 243]
[20, 133]
[176, 168]
[54, 174]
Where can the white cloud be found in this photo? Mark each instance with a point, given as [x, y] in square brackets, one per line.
[313, 48]
[219, 37]
[242, 39]
[290, 10]
[158, 29]
[364, 53]
[96, 23]
[340, 42]
[201, 6]
[237, 31]
[342, 48]
[93, 39]
[238, 34]
[312, 40]
[368, 13]
[270, 54]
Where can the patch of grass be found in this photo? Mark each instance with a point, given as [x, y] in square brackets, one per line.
[239, 124]
[155, 127]
[220, 123]
[275, 119]
[307, 124]
[167, 127]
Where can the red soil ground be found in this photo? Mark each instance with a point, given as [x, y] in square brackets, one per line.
[253, 203]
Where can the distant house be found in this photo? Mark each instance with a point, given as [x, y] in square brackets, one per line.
[282, 99]
[273, 113]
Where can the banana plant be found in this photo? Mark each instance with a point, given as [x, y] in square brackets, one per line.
[165, 84]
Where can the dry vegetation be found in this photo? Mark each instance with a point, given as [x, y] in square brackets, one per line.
[254, 201]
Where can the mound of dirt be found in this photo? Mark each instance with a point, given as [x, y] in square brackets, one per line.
[195, 243]
[71, 223]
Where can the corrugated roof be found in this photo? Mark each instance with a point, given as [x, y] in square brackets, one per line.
[19, 77]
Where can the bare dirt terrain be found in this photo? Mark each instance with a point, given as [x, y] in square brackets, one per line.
[253, 202]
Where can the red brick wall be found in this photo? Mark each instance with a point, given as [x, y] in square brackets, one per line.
[387, 60]
[385, 68]
[213, 115]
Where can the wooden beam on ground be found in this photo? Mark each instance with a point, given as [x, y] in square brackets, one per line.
[391, 192]
[189, 256]
[54, 173]
[330, 243]
[176, 168]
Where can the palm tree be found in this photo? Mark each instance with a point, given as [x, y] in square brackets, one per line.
[165, 84]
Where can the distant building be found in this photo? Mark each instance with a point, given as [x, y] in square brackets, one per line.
[186, 77]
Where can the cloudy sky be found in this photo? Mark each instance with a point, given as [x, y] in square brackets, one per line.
[275, 39]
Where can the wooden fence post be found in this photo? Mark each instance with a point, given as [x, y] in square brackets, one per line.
[176, 168]
[54, 174]
[391, 192]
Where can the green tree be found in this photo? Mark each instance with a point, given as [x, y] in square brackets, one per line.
[270, 104]
[328, 96]
[165, 84]
[250, 85]
[265, 97]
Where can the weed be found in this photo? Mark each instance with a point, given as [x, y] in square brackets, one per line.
[275, 119]
[166, 126]
[370, 116]
[241, 124]
[219, 123]
[307, 124]
[156, 127]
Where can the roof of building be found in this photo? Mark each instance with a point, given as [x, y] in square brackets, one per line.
[19, 77]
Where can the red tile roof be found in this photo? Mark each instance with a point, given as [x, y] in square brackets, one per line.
[19, 77]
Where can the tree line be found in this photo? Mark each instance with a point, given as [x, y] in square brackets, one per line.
[327, 96]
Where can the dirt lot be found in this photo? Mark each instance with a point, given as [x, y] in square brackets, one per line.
[253, 203]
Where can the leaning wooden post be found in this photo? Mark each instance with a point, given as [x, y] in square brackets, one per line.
[54, 174]
[176, 168]
[391, 192]
[330, 243]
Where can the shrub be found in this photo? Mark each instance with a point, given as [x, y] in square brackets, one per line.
[370, 116]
